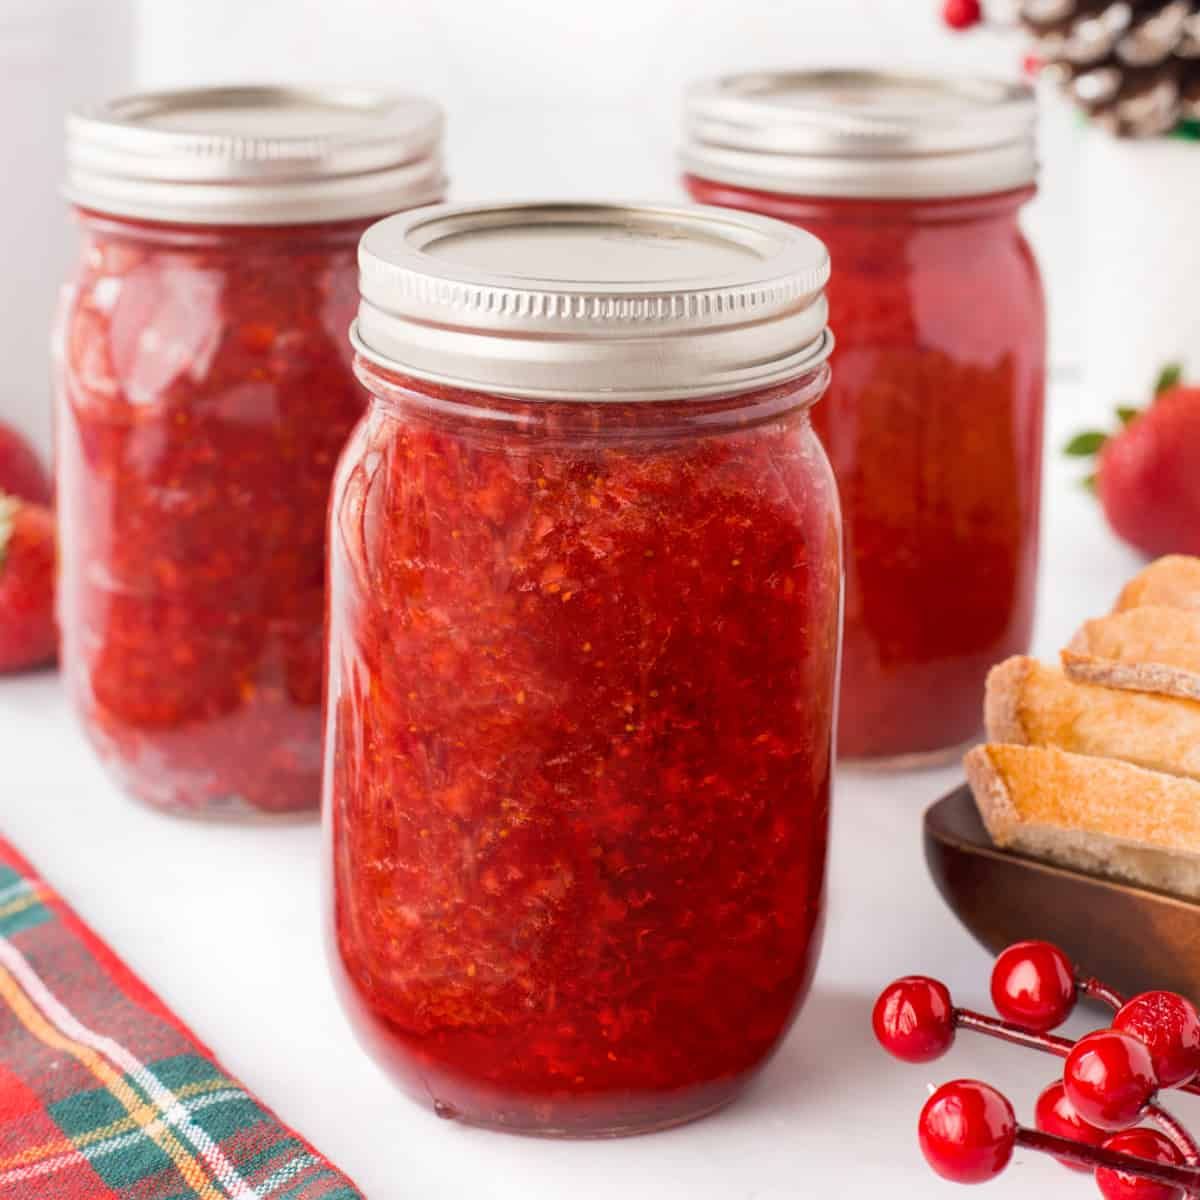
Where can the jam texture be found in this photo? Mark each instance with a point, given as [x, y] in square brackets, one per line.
[933, 425]
[205, 390]
[582, 682]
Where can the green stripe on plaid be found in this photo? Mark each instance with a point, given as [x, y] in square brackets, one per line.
[105, 1094]
[21, 905]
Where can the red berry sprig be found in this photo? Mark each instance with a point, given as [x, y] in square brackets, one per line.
[1091, 1119]
[914, 1019]
[1147, 1144]
[1033, 985]
[967, 1131]
[1168, 1026]
[962, 14]
[1109, 1079]
[1055, 1114]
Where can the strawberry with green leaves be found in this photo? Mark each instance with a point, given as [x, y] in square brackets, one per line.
[1148, 472]
[28, 635]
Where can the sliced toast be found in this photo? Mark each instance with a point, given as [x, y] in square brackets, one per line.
[1150, 649]
[1031, 704]
[1096, 815]
[1173, 582]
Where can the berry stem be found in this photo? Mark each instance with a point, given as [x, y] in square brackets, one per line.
[1095, 989]
[1047, 1043]
[1186, 1177]
[1176, 1132]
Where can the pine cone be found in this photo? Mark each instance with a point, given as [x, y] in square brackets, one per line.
[1134, 65]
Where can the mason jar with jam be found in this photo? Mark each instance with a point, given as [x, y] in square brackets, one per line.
[933, 423]
[585, 593]
[204, 392]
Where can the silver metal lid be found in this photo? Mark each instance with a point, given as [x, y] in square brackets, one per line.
[861, 134]
[583, 301]
[256, 155]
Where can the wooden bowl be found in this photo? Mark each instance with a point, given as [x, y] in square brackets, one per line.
[1132, 938]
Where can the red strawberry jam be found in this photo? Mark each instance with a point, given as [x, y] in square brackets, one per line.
[205, 390]
[933, 423]
[581, 691]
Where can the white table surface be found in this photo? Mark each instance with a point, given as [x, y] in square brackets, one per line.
[224, 923]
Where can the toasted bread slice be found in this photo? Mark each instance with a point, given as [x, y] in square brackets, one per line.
[1150, 649]
[1095, 815]
[1031, 704]
[1173, 582]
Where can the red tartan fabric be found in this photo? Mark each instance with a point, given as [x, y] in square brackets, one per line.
[105, 1094]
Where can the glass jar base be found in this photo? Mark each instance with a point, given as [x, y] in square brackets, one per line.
[153, 772]
[920, 760]
[233, 813]
[573, 1131]
[211, 810]
[178, 798]
[554, 1112]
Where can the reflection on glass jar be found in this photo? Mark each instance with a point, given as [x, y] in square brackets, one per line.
[934, 420]
[205, 390]
[583, 661]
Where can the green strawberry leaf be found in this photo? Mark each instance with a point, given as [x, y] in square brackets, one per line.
[1084, 445]
[1125, 415]
[1088, 483]
[1169, 377]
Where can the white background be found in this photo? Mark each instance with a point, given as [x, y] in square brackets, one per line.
[577, 96]
[53, 54]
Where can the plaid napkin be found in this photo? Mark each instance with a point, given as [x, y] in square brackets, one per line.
[105, 1094]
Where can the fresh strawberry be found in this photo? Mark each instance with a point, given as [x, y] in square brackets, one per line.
[21, 471]
[28, 636]
[1148, 472]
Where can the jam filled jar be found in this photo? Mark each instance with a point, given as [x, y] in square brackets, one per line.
[933, 423]
[204, 392]
[585, 591]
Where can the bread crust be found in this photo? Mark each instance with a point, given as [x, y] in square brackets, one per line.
[1172, 581]
[992, 797]
[1147, 677]
[1022, 786]
[1025, 800]
[1003, 696]
[1029, 703]
[1147, 649]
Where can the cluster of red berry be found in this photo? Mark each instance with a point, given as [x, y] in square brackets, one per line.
[1091, 1119]
[962, 14]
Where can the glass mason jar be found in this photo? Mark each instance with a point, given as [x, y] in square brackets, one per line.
[585, 590]
[204, 392]
[933, 423]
